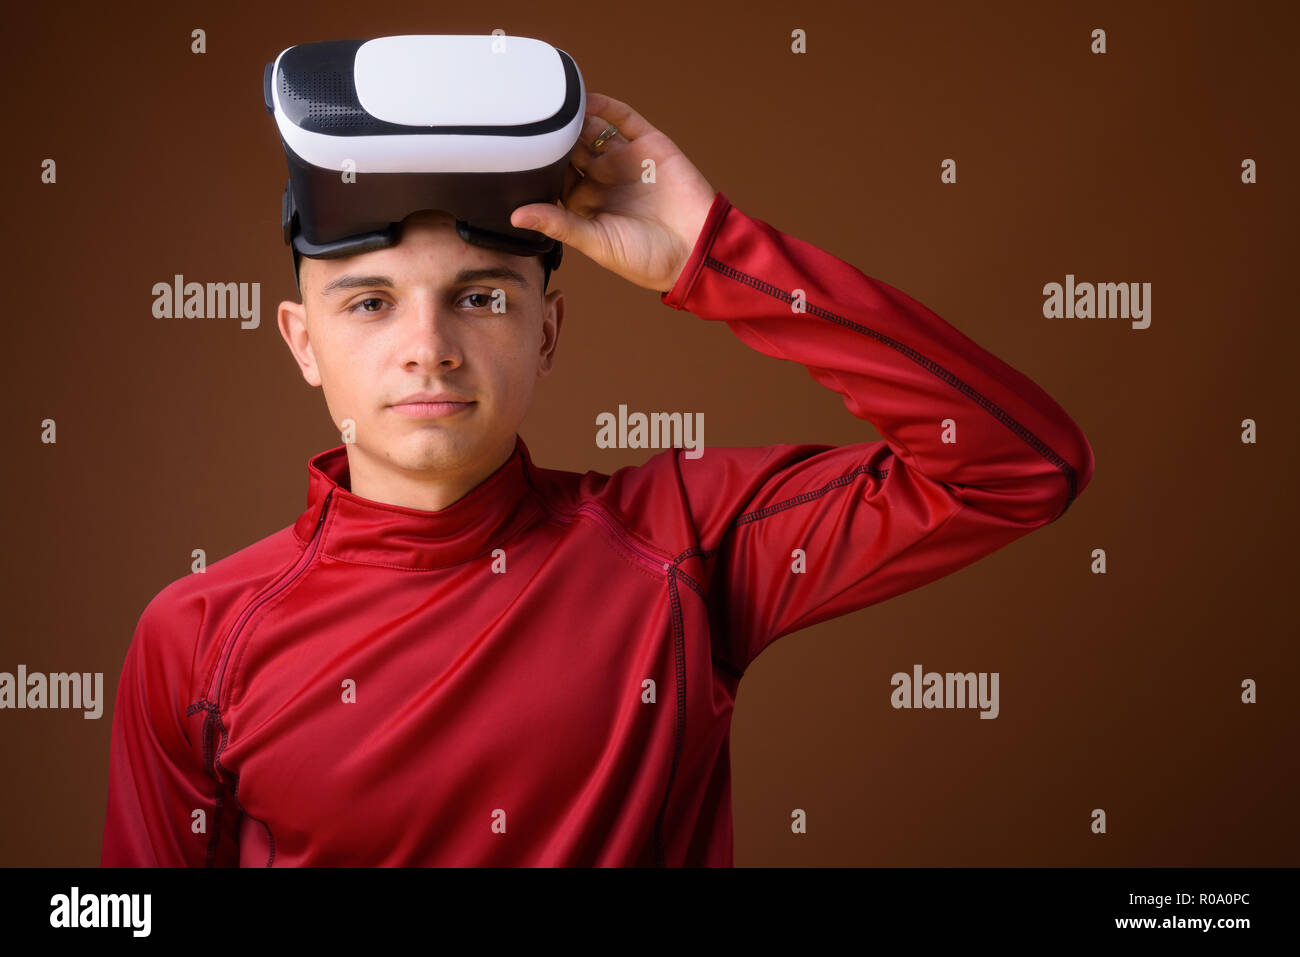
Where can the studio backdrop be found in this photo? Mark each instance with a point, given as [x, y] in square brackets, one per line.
[1014, 167]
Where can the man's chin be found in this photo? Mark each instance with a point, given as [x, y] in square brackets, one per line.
[432, 448]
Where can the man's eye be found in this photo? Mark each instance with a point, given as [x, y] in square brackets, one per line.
[373, 299]
[478, 295]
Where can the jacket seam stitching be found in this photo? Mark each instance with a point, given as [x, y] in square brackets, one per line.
[679, 664]
[1009, 422]
[211, 764]
[568, 516]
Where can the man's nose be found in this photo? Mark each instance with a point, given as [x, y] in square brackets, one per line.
[432, 333]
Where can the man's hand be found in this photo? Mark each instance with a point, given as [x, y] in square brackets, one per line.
[642, 231]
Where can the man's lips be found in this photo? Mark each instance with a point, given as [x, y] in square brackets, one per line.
[430, 410]
[441, 396]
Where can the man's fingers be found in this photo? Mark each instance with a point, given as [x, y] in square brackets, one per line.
[595, 165]
[572, 177]
[629, 122]
[580, 157]
[592, 127]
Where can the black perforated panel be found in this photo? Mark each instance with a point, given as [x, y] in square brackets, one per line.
[318, 94]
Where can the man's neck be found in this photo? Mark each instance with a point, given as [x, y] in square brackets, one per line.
[430, 491]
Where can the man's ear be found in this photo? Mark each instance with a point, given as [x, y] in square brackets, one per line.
[552, 319]
[292, 320]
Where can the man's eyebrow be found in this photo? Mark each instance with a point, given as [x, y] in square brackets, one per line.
[492, 272]
[464, 276]
[354, 282]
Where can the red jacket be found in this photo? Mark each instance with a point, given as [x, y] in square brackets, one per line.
[573, 707]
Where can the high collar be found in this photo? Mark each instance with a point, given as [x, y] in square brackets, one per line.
[363, 531]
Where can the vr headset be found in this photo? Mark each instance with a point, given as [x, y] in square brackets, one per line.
[374, 130]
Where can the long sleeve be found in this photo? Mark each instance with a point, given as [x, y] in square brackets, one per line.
[974, 454]
[156, 780]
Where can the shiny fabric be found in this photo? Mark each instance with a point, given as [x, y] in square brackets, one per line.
[544, 672]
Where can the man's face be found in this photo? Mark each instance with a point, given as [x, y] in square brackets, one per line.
[418, 317]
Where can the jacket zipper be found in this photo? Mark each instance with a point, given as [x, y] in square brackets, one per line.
[679, 661]
[308, 553]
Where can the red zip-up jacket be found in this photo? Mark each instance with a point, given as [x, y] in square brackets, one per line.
[543, 673]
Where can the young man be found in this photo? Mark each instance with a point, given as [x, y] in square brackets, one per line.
[455, 656]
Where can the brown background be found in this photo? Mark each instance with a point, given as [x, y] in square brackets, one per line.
[1118, 691]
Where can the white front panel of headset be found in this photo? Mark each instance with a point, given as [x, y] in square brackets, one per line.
[446, 80]
[434, 153]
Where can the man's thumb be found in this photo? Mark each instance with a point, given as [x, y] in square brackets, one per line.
[533, 217]
[559, 224]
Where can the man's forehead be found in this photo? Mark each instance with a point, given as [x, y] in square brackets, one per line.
[429, 217]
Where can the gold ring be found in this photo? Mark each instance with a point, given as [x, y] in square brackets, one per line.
[605, 134]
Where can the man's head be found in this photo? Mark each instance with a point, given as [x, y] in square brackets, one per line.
[430, 314]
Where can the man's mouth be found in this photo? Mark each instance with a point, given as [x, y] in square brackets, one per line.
[431, 410]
